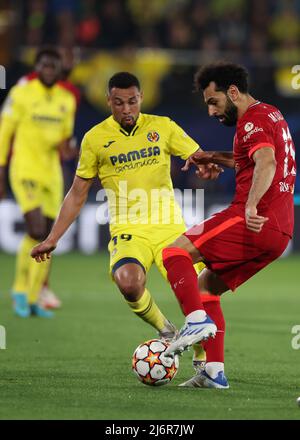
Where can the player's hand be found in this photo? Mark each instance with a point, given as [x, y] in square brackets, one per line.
[198, 158]
[254, 222]
[43, 250]
[211, 171]
[2, 182]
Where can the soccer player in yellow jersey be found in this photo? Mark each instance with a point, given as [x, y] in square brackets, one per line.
[130, 153]
[40, 116]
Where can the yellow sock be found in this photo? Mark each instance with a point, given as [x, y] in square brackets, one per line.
[23, 261]
[199, 353]
[37, 275]
[147, 309]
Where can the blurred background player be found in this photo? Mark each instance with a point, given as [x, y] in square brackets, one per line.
[39, 114]
[134, 149]
[47, 298]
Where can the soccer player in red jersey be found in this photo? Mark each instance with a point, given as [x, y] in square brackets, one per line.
[253, 231]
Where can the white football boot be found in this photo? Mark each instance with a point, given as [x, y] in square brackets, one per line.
[198, 327]
[203, 380]
[48, 299]
[169, 332]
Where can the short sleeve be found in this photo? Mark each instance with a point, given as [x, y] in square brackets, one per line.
[12, 109]
[180, 143]
[257, 133]
[88, 162]
[11, 115]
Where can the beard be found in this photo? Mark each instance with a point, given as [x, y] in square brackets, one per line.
[128, 126]
[230, 115]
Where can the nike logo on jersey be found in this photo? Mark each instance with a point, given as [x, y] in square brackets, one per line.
[108, 144]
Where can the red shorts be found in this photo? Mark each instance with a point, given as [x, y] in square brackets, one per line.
[232, 251]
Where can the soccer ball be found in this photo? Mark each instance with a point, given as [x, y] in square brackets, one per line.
[150, 364]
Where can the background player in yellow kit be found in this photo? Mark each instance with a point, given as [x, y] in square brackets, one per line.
[40, 116]
[130, 153]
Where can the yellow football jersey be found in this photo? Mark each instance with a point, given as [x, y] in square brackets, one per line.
[134, 170]
[39, 118]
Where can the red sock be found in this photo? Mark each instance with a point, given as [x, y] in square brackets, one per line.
[214, 348]
[183, 279]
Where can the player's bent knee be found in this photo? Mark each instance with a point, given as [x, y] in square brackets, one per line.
[131, 289]
[131, 281]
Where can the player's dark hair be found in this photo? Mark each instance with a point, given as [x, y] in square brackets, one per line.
[224, 74]
[48, 51]
[123, 80]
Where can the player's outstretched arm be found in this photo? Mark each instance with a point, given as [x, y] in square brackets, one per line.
[206, 168]
[222, 158]
[210, 171]
[263, 175]
[70, 209]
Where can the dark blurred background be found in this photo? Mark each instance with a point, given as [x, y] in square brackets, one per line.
[163, 42]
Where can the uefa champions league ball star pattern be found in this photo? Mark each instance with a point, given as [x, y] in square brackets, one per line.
[150, 364]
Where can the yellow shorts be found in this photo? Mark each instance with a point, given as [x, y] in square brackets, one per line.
[31, 194]
[137, 248]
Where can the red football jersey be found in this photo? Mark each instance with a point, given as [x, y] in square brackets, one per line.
[261, 126]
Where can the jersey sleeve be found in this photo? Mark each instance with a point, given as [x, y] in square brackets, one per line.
[88, 162]
[180, 143]
[11, 114]
[257, 133]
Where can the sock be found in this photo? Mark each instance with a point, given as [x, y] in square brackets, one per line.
[23, 261]
[214, 348]
[147, 309]
[36, 277]
[199, 353]
[183, 279]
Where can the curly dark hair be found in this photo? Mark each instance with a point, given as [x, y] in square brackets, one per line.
[123, 80]
[48, 51]
[224, 74]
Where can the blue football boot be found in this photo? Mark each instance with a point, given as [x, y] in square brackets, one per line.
[203, 380]
[36, 310]
[20, 305]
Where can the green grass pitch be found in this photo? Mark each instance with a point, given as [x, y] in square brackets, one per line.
[78, 364]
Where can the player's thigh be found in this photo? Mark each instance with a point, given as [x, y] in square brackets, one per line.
[28, 193]
[165, 241]
[128, 248]
[36, 224]
[232, 252]
[52, 199]
[273, 244]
